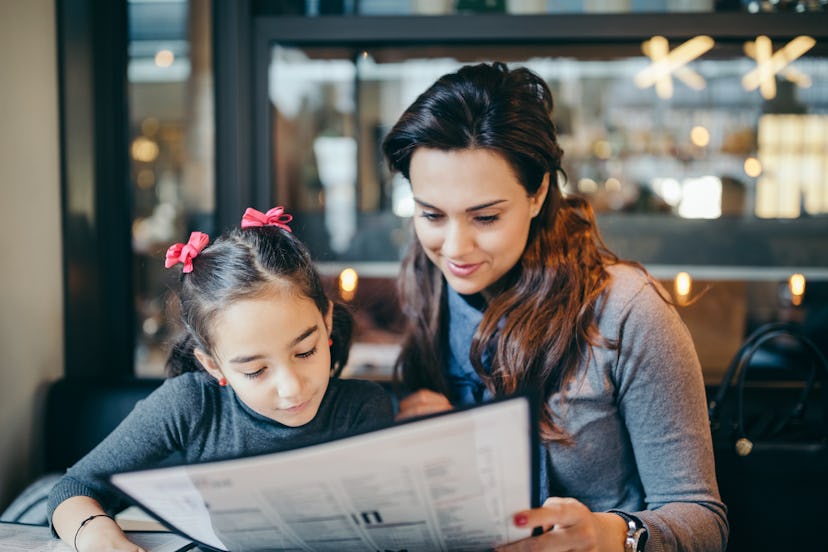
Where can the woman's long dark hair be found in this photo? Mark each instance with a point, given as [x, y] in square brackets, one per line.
[241, 264]
[548, 300]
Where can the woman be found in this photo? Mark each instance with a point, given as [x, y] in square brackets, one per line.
[509, 288]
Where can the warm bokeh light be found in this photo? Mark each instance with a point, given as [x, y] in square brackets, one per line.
[164, 58]
[683, 288]
[796, 283]
[699, 136]
[683, 285]
[587, 186]
[602, 149]
[144, 150]
[753, 168]
[348, 280]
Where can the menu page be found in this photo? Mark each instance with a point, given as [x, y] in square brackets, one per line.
[448, 482]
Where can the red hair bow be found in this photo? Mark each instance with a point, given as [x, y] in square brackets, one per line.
[274, 217]
[185, 252]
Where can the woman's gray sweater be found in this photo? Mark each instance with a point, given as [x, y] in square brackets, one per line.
[636, 415]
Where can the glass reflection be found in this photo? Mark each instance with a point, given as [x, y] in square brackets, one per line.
[710, 152]
[171, 153]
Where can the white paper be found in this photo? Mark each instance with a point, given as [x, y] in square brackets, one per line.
[450, 482]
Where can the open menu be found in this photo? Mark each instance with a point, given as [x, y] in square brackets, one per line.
[446, 482]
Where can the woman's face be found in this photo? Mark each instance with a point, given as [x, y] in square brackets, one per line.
[273, 350]
[472, 214]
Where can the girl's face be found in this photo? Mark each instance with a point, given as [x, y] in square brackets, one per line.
[472, 214]
[273, 350]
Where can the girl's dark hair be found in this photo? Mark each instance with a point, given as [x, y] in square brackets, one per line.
[240, 264]
[548, 300]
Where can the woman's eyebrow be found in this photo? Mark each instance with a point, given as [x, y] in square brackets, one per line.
[486, 205]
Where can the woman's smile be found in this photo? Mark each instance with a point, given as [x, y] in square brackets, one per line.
[462, 270]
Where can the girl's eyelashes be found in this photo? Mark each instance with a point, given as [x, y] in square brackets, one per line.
[305, 354]
[429, 216]
[256, 374]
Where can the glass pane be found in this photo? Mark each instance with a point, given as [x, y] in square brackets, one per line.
[662, 157]
[687, 171]
[171, 153]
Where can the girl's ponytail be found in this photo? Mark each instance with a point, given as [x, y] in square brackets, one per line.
[342, 332]
[181, 358]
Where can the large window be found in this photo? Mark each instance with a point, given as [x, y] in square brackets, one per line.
[709, 167]
[723, 183]
[710, 150]
[171, 122]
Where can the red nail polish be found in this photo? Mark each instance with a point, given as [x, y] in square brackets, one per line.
[521, 520]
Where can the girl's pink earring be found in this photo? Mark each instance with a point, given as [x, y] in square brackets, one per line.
[330, 342]
[222, 382]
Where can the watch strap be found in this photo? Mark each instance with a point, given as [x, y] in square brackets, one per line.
[636, 532]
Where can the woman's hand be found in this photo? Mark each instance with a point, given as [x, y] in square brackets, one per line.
[422, 402]
[569, 525]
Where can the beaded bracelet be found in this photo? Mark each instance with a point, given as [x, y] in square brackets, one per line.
[84, 522]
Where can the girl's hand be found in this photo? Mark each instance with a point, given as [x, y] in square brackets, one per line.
[569, 525]
[99, 534]
[422, 402]
[104, 535]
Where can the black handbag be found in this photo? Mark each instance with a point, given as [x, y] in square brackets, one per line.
[770, 440]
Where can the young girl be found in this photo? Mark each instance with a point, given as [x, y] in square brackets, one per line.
[256, 371]
[508, 287]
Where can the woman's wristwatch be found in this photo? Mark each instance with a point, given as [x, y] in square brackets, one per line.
[636, 532]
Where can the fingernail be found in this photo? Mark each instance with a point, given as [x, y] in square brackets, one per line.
[521, 520]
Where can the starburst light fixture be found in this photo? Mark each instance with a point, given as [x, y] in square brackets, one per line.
[770, 63]
[667, 63]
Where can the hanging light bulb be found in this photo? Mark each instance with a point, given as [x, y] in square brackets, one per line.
[796, 283]
[348, 281]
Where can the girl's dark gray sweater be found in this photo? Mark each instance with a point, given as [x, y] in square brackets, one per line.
[191, 419]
